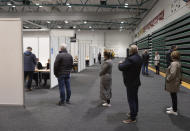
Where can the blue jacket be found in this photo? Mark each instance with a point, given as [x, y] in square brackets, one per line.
[131, 68]
[29, 61]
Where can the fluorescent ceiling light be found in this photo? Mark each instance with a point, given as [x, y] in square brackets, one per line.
[122, 22]
[74, 27]
[58, 26]
[26, 27]
[90, 27]
[85, 22]
[40, 6]
[37, 4]
[13, 6]
[126, 4]
[48, 22]
[121, 27]
[67, 4]
[66, 22]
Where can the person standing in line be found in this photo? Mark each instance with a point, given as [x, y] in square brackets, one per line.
[46, 75]
[99, 57]
[145, 58]
[62, 69]
[131, 69]
[157, 62]
[168, 55]
[173, 81]
[29, 66]
[106, 80]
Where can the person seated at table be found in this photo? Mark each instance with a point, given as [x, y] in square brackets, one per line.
[37, 75]
[39, 64]
[46, 76]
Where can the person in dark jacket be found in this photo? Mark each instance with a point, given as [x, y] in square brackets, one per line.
[99, 57]
[145, 58]
[168, 55]
[62, 69]
[29, 66]
[131, 68]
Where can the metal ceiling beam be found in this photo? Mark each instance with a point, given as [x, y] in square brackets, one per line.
[134, 7]
[68, 16]
[41, 26]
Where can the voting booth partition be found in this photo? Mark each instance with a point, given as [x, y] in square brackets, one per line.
[57, 38]
[11, 57]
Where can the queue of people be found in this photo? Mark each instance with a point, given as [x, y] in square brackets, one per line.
[130, 69]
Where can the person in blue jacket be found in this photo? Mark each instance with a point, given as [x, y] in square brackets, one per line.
[29, 66]
[131, 69]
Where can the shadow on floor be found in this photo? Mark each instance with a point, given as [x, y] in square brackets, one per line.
[94, 112]
[181, 122]
[127, 127]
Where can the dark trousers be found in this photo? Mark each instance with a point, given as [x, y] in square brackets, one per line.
[174, 101]
[132, 96]
[145, 69]
[157, 69]
[64, 81]
[28, 74]
[99, 61]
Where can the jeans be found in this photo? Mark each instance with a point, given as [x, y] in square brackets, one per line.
[157, 69]
[64, 81]
[145, 68]
[132, 96]
[174, 101]
[28, 74]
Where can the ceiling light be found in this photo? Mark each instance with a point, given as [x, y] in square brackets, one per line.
[40, 6]
[126, 4]
[13, 6]
[90, 27]
[66, 22]
[37, 4]
[67, 4]
[85, 22]
[74, 27]
[48, 22]
[121, 27]
[26, 27]
[9, 4]
[122, 22]
[58, 26]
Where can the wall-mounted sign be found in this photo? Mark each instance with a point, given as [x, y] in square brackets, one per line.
[152, 23]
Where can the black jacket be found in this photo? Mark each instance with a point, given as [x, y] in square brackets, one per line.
[131, 68]
[29, 61]
[63, 64]
[145, 58]
[168, 58]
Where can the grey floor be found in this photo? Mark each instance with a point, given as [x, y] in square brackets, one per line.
[85, 114]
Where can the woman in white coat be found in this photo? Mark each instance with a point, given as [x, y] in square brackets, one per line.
[157, 62]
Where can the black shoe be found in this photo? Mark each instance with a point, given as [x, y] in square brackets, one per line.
[61, 103]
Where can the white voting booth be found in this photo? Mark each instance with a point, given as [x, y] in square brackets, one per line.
[11, 57]
[57, 38]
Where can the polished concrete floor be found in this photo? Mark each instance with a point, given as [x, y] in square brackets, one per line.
[86, 114]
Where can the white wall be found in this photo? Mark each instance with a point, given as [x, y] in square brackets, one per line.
[11, 57]
[169, 16]
[116, 40]
[39, 41]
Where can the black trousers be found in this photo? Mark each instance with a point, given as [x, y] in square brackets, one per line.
[157, 69]
[28, 74]
[174, 101]
[132, 96]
